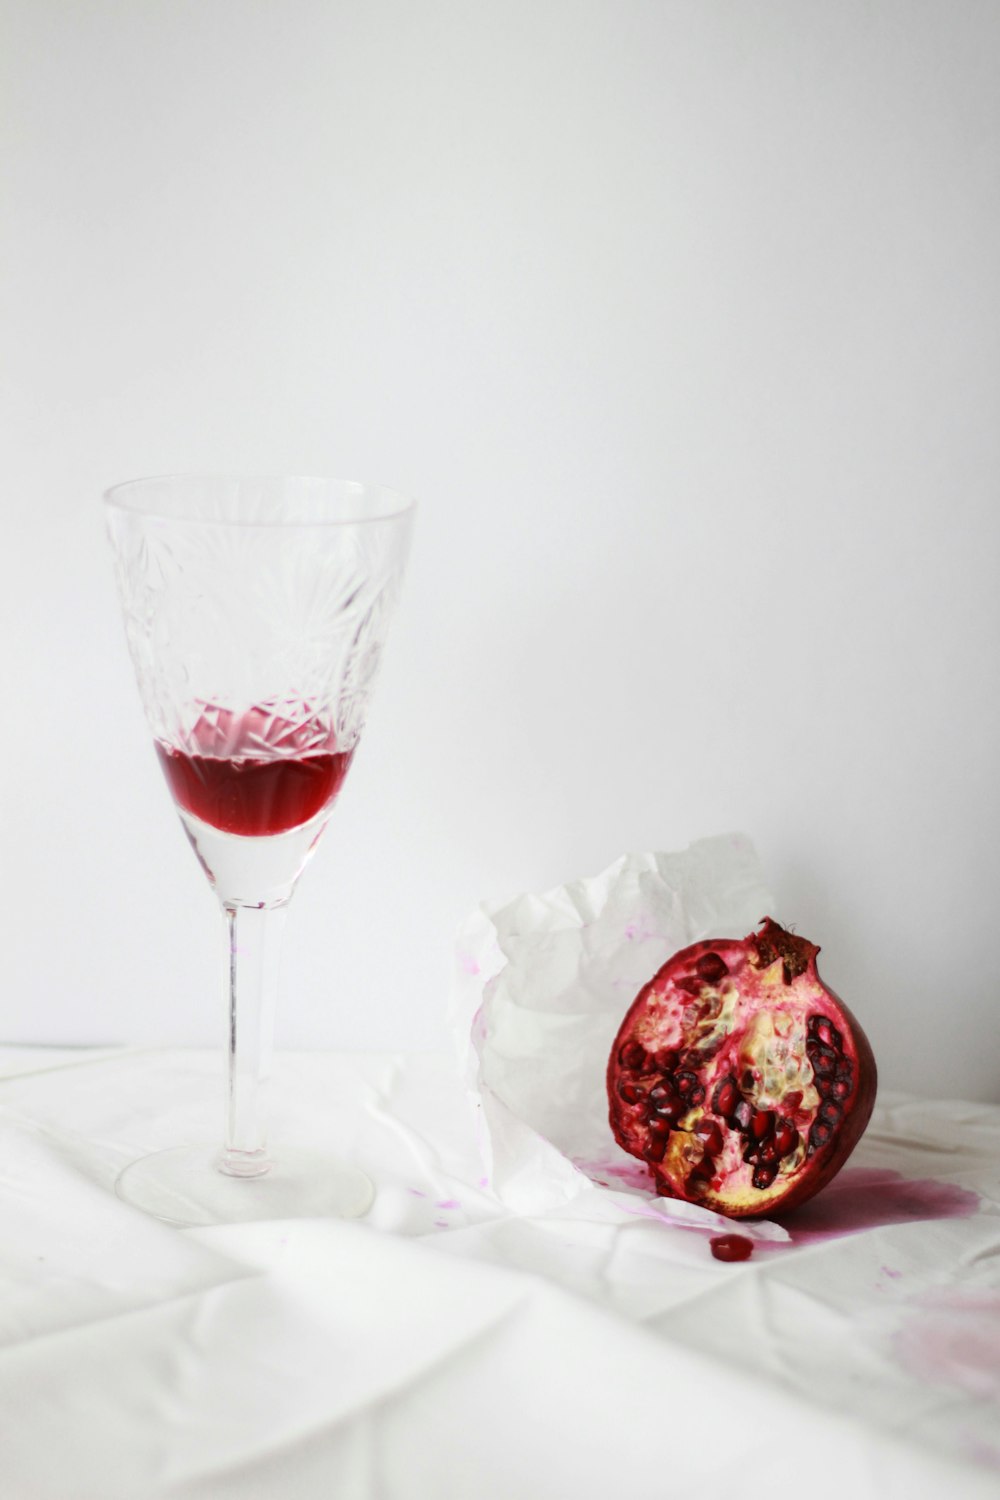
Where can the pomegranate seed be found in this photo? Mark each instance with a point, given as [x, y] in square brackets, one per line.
[712, 968]
[660, 1093]
[701, 1172]
[731, 1246]
[686, 1083]
[655, 1149]
[710, 1136]
[830, 1112]
[659, 1129]
[823, 1059]
[786, 1137]
[632, 1055]
[823, 1027]
[764, 1174]
[726, 1097]
[666, 1061]
[762, 1123]
[690, 984]
[671, 1109]
[820, 1134]
[629, 1090]
[841, 1088]
[793, 1099]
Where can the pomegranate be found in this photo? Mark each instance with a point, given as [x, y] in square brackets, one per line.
[739, 1078]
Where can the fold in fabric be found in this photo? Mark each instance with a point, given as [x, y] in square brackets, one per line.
[453, 1347]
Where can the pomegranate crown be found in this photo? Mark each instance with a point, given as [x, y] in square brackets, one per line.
[772, 942]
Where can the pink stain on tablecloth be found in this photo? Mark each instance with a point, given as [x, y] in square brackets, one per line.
[862, 1198]
[954, 1337]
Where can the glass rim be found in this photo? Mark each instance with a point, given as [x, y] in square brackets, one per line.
[117, 497]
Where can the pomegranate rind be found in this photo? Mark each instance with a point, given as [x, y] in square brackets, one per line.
[739, 1078]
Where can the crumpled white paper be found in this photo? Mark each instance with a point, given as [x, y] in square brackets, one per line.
[543, 983]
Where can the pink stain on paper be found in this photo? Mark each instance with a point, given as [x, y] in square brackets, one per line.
[468, 964]
[627, 1174]
[641, 1211]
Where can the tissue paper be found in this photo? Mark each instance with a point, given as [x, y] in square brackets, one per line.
[543, 982]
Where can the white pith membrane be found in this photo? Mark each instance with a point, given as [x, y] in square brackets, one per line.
[755, 1026]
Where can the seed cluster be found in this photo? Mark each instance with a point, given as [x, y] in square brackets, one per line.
[767, 1136]
[667, 1089]
[833, 1078]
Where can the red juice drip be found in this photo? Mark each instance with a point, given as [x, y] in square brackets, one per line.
[254, 774]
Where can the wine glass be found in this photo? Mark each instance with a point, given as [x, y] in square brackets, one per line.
[256, 610]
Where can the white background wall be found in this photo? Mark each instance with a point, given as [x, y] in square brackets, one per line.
[683, 322]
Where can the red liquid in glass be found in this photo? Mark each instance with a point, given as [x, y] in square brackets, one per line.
[239, 781]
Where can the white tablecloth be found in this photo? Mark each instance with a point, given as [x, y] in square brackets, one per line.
[443, 1347]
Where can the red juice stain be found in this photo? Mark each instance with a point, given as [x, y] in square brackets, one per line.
[254, 774]
[861, 1198]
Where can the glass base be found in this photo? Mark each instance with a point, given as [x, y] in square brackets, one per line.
[185, 1186]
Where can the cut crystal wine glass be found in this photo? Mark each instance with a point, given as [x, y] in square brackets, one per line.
[256, 611]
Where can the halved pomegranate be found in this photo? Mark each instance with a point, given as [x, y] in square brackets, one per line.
[739, 1078]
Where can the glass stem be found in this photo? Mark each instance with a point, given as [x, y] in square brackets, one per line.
[254, 957]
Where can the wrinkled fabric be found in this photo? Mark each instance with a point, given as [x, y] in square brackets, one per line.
[449, 1346]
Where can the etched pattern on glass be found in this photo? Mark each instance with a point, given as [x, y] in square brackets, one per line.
[223, 619]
